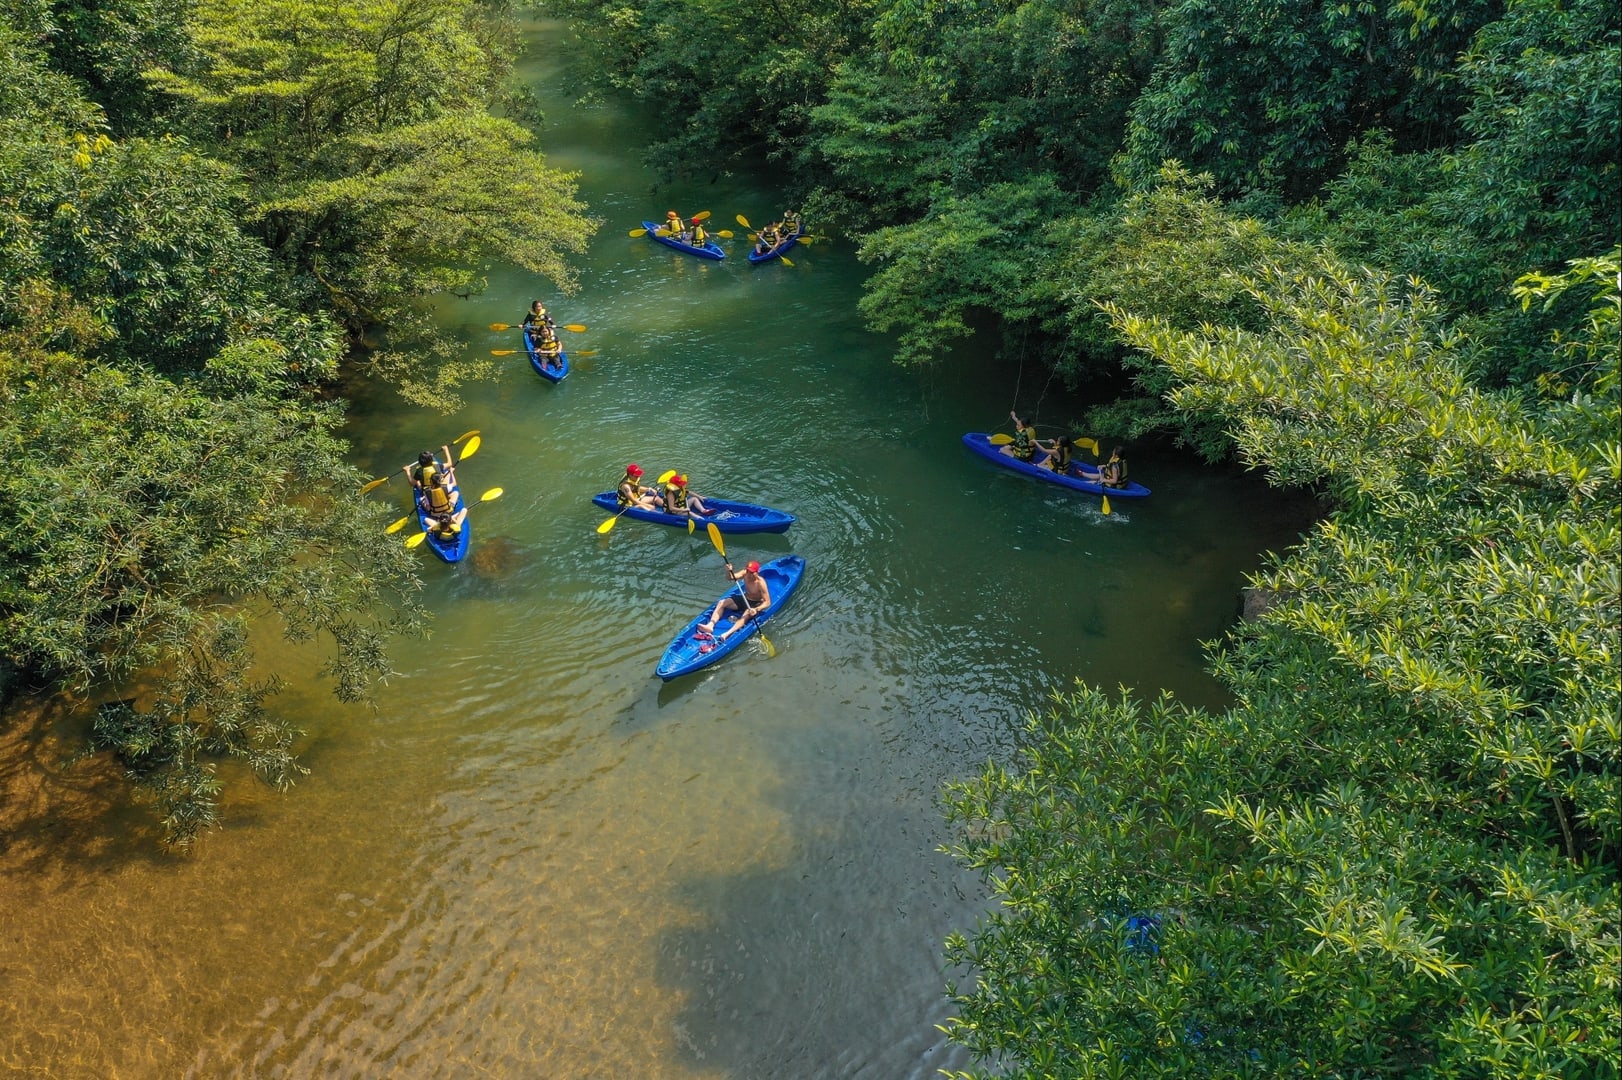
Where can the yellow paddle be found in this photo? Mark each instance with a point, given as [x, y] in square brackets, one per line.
[398, 525]
[715, 538]
[502, 352]
[725, 234]
[602, 530]
[380, 481]
[785, 260]
[579, 328]
[741, 220]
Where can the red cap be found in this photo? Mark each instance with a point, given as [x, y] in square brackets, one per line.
[753, 567]
[679, 481]
[633, 469]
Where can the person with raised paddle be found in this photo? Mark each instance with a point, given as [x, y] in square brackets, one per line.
[1024, 445]
[750, 602]
[631, 493]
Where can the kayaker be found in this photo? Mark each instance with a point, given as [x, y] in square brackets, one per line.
[673, 225]
[549, 348]
[698, 235]
[790, 223]
[538, 318]
[678, 500]
[768, 238]
[753, 602]
[446, 526]
[438, 497]
[419, 472]
[1114, 470]
[1060, 452]
[1024, 445]
[632, 493]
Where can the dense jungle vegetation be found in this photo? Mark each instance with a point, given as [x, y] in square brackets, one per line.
[1370, 248]
[203, 206]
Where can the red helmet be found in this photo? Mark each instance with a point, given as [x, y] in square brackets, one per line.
[679, 481]
[695, 221]
[753, 567]
[633, 469]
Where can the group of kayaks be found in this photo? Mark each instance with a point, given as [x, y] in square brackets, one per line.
[696, 646]
[709, 249]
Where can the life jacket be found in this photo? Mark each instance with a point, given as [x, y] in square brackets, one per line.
[698, 235]
[423, 473]
[674, 226]
[551, 346]
[1061, 458]
[447, 530]
[439, 500]
[1024, 443]
[1114, 472]
[678, 499]
[635, 493]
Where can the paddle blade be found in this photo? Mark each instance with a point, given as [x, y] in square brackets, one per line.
[663, 232]
[1000, 439]
[639, 232]
[1106, 506]
[471, 448]
[1088, 444]
[502, 352]
[493, 493]
[807, 241]
[374, 485]
[464, 437]
[741, 220]
[715, 538]
[500, 326]
[690, 526]
[785, 260]
[579, 328]
[702, 215]
[416, 539]
[609, 524]
[585, 352]
[664, 477]
[398, 525]
[765, 643]
[725, 234]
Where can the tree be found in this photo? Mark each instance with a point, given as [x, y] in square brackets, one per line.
[1397, 852]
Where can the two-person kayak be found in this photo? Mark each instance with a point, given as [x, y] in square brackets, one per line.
[758, 257]
[708, 250]
[1075, 478]
[688, 652]
[551, 369]
[728, 516]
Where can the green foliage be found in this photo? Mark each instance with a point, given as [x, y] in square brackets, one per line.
[374, 169]
[173, 473]
[1397, 852]
[1264, 96]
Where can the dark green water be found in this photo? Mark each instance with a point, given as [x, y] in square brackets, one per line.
[535, 859]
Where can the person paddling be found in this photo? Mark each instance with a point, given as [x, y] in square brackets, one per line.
[750, 602]
[1024, 445]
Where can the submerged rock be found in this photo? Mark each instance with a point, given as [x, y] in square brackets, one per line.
[496, 557]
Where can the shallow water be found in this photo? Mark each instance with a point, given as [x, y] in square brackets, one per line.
[534, 858]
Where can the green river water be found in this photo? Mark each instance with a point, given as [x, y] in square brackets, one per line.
[534, 859]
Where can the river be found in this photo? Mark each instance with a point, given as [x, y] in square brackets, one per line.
[534, 859]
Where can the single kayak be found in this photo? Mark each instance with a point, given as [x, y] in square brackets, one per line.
[728, 516]
[710, 250]
[449, 550]
[684, 655]
[758, 257]
[550, 371]
[981, 444]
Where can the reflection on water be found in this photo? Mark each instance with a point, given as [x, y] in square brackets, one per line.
[533, 858]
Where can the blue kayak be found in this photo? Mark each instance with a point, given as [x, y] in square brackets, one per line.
[728, 516]
[449, 550]
[710, 250]
[684, 656]
[1076, 478]
[552, 372]
[758, 257]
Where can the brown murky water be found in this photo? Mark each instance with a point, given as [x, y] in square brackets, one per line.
[535, 860]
